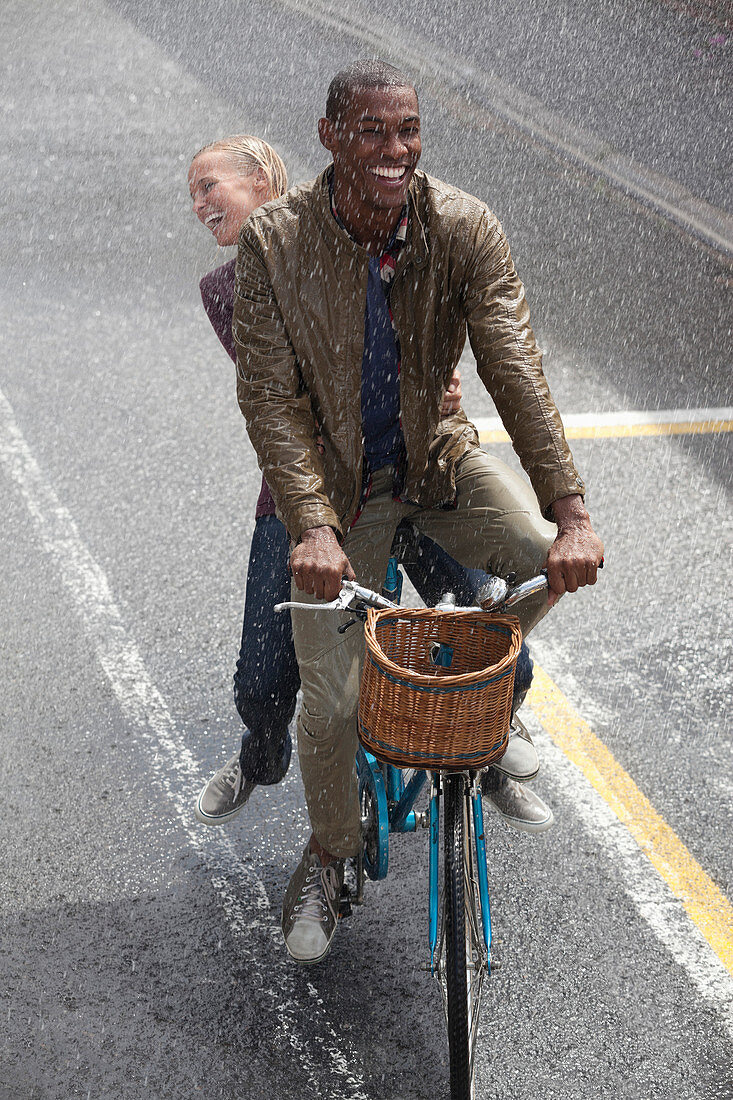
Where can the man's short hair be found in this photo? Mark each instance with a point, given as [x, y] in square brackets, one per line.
[366, 73]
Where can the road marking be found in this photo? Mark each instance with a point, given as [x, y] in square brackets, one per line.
[474, 95]
[691, 916]
[241, 892]
[617, 425]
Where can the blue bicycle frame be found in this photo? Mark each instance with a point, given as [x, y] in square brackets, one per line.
[389, 804]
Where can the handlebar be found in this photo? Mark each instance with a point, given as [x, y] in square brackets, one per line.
[495, 595]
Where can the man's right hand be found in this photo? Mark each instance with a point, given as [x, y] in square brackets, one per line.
[318, 563]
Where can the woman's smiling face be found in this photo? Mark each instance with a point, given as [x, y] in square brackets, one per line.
[222, 197]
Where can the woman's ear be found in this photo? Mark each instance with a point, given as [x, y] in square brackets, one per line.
[259, 180]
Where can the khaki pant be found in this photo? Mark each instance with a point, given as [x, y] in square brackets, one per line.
[496, 526]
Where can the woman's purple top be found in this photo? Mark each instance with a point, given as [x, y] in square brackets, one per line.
[217, 291]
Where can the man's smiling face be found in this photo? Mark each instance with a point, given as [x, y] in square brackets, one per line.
[375, 145]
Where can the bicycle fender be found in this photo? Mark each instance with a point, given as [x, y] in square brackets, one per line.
[376, 854]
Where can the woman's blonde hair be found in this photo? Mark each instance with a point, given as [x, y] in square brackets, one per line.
[249, 153]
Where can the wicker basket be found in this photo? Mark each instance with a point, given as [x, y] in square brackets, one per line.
[436, 690]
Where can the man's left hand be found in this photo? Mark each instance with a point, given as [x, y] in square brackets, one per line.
[576, 554]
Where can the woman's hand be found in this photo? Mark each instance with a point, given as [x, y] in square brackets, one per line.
[452, 396]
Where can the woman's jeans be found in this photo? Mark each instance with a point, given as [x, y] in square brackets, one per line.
[266, 681]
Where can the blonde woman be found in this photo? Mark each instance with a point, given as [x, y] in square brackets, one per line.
[228, 179]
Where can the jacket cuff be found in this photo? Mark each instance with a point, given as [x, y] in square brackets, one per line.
[317, 516]
[557, 488]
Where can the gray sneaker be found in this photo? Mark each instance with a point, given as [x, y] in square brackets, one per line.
[517, 804]
[311, 906]
[520, 760]
[224, 795]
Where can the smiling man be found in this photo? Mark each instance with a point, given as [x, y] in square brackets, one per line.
[354, 294]
[376, 140]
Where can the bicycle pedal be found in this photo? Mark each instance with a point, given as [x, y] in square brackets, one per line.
[345, 903]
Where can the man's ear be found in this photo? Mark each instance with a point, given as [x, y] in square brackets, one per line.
[327, 133]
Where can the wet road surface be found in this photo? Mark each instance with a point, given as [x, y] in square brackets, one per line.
[140, 952]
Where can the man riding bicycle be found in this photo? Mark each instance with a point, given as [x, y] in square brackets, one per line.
[353, 296]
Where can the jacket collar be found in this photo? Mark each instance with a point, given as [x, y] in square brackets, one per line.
[414, 250]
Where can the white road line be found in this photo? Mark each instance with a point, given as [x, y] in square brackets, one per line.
[654, 901]
[242, 894]
[474, 93]
[626, 418]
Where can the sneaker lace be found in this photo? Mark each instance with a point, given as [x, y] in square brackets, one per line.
[317, 898]
[234, 779]
[518, 728]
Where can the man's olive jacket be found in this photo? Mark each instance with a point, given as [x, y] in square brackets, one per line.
[298, 327]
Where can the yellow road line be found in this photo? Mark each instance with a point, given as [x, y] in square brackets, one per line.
[619, 431]
[705, 903]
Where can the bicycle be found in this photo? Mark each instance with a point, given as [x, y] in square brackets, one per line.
[459, 917]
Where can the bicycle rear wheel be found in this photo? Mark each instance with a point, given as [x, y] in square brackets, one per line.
[464, 958]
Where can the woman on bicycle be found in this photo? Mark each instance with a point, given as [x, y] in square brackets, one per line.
[228, 179]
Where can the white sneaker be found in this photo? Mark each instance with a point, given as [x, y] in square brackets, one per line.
[520, 760]
[518, 805]
[311, 907]
[224, 795]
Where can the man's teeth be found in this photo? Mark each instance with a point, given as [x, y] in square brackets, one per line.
[210, 218]
[390, 173]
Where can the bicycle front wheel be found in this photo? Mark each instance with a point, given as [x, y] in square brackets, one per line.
[464, 962]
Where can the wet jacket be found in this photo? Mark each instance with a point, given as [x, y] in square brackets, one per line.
[298, 328]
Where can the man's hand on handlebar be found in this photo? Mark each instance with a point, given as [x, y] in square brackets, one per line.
[318, 563]
[577, 553]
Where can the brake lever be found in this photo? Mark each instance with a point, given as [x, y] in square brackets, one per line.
[341, 603]
[334, 605]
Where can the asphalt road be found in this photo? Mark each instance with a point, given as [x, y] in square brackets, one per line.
[140, 954]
